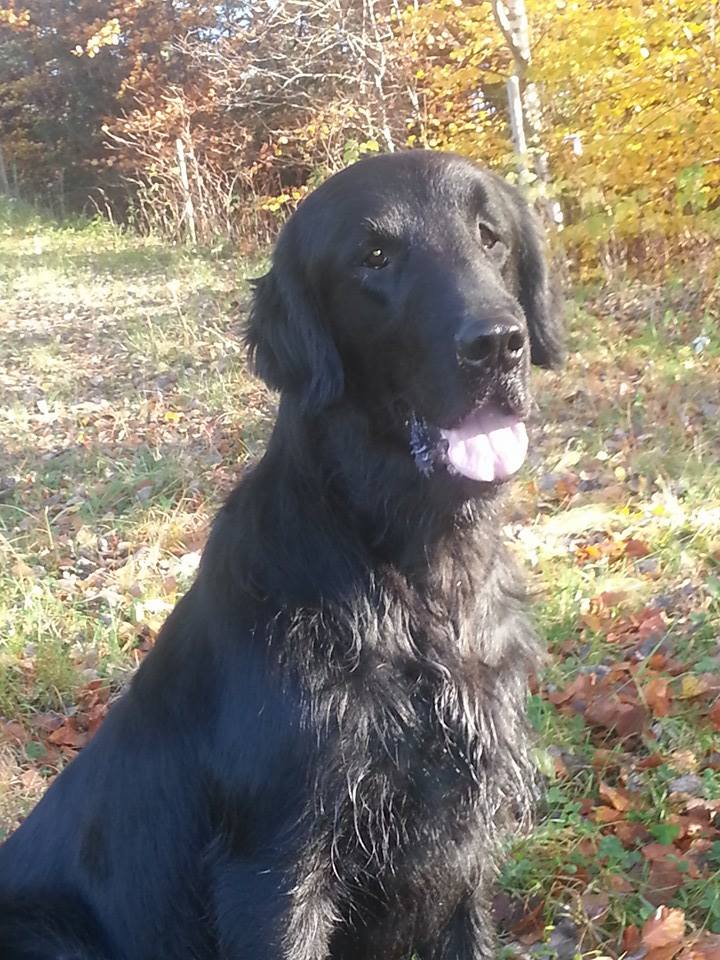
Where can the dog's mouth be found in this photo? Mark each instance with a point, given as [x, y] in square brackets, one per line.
[488, 445]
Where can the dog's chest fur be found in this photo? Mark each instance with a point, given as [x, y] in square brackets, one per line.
[416, 700]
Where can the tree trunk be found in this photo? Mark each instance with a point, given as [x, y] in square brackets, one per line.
[4, 185]
[189, 209]
[524, 104]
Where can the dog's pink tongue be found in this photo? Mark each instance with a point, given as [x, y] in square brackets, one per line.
[488, 445]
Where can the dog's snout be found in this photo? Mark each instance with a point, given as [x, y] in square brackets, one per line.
[498, 344]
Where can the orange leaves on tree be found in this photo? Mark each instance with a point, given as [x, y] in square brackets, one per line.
[17, 19]
[107, 34]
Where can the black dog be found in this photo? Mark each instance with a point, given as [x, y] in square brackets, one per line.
[325, 750]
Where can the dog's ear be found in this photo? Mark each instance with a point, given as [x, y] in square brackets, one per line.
[539, 295]
[288, 344]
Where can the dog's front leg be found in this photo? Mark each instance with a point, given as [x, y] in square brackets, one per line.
[249, 907]
[313, 915]
[258, 918]
[469, 935]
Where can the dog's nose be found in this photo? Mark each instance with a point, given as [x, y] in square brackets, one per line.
[502, 344]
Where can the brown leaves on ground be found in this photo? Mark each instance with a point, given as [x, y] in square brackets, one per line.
[665, 937]
[662, 935]
[658, 696]
[672, 846]
[607, 699]
[705, 947]
[52, 736]
[622, 697]
[714, 715]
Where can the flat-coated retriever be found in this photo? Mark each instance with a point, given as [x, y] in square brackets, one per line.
[324, 752]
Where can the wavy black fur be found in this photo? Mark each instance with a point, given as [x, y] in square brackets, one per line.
[324, 753]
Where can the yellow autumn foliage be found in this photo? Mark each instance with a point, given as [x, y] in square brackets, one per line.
[631, 110]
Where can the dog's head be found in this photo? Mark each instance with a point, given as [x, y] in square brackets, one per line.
[415, 286]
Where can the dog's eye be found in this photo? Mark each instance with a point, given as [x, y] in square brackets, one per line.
[376, 259]
[487, 237]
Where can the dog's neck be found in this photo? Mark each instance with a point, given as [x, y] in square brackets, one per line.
[329, 488]
[401, 512]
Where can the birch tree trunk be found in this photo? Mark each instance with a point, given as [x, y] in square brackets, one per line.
[189, 209]
[524, 103]
[377, 61]
[4, 184]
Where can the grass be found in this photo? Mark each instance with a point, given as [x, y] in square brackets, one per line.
[636, 458]
[126, 414]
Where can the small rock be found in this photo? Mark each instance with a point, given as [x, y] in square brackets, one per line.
[548, 481]
[688, 783]
[562, 944]
[597, 669]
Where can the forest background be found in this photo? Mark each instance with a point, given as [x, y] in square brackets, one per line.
[621, 103]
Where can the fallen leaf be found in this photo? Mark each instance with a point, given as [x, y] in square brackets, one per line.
[630, 833]
[631, 721]
[32, 781]
[636, 548]
[604, 759]
[619, 883]
[610, 598]
[650, 762]
[607, 815]
[688, 783]
[630, 938]
[665, 929]
[68, 736]
[617, 797]
[564, 940]
[658, 851]
[657, 696]
[714, 715]
[626, 719]
[593, 622]
[706, 947]
[595, 905]
[530, 928]
[692, 686]
[22, 571]
[684, 761]
[650, 623]
[664, 880]
[13, 732]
